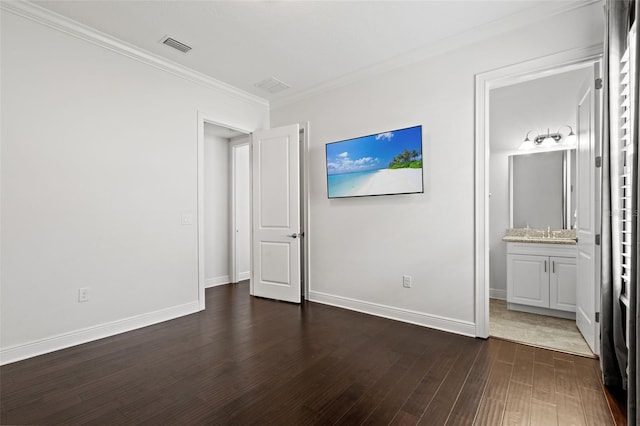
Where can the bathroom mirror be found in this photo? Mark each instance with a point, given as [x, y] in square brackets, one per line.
[541, 187]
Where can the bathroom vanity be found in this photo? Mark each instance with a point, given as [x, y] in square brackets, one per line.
[541, 272]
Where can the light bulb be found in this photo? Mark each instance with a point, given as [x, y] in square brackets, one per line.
[526, 145]
[548, 142]
[570, 139]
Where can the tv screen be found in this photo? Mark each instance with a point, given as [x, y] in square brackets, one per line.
[381, 164]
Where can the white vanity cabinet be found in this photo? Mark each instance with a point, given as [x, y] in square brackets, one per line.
[562, 284]
[541, 278]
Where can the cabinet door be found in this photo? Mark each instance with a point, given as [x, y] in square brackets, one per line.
[562, 284]
[528, 280]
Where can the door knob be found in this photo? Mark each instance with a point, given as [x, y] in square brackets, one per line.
[293, 235]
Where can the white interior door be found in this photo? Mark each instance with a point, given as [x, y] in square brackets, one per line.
[275, 155]
[240, 210]
[588, 217]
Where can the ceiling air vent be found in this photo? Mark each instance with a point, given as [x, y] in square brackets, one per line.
[172, 42]
[272, 85]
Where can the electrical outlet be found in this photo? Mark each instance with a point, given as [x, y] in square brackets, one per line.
[83, 294]
[406, 281]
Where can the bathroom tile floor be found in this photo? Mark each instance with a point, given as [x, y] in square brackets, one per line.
[538, 330]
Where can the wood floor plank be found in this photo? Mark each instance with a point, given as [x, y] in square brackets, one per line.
[566, 380]
[375, 394]
[494, 398]
[517, 410]
[250, 361]
[507, 352]
[405, 419]
[543, 414]
[398, 395]
[425, 390]
[439, 408]
[498, 384]
[543, 356]
[341, 390]
[596, 409]
[587, 373]
[523, 367]
[490, 412]
[468, 401]
[544, 383]
[570, 410]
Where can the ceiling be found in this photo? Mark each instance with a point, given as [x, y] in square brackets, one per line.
[309, 45]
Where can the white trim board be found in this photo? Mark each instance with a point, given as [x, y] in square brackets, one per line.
[89, 334]
[497, 293]
[306, 207]
[412, 317]
[216, 281]
[513, 74]
[76, 29]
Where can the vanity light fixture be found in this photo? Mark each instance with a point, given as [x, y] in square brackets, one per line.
[548, 140]
[527, 144]
[570, 140]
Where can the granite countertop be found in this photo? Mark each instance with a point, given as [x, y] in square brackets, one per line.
[539, 236]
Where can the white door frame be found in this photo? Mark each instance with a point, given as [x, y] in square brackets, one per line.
[233, 211]
[203, 118]
[485, 82]
[304, 207]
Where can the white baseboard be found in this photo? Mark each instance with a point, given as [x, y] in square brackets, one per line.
[432, 321]
[496, 293]
[541, 311]
[244, 276]
[212, 282]
[85, 335]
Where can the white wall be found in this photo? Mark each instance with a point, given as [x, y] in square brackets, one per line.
[98, 165]
[243, 210]
[217, 224]
[361, 247]
[539, 104]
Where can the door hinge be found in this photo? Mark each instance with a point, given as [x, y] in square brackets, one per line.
[598, 83]
[597, 239]
[597, 316]
[598, 161]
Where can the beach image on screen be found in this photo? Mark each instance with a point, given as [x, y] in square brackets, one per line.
[380, 164]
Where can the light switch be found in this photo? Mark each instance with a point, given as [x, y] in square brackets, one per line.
[187, 219]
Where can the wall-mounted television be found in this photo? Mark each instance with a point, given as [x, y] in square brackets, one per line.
[380, 164]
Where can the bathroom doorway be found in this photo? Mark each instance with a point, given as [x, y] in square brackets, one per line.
[530, 105]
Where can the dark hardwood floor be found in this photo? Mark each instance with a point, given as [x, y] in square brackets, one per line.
[251, 361]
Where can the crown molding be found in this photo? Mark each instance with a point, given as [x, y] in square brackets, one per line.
[76, 29]
[439, 47]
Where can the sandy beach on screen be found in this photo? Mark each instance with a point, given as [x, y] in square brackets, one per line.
[388, 181]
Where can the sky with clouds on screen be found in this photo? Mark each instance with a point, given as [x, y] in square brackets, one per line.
[372, 152]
